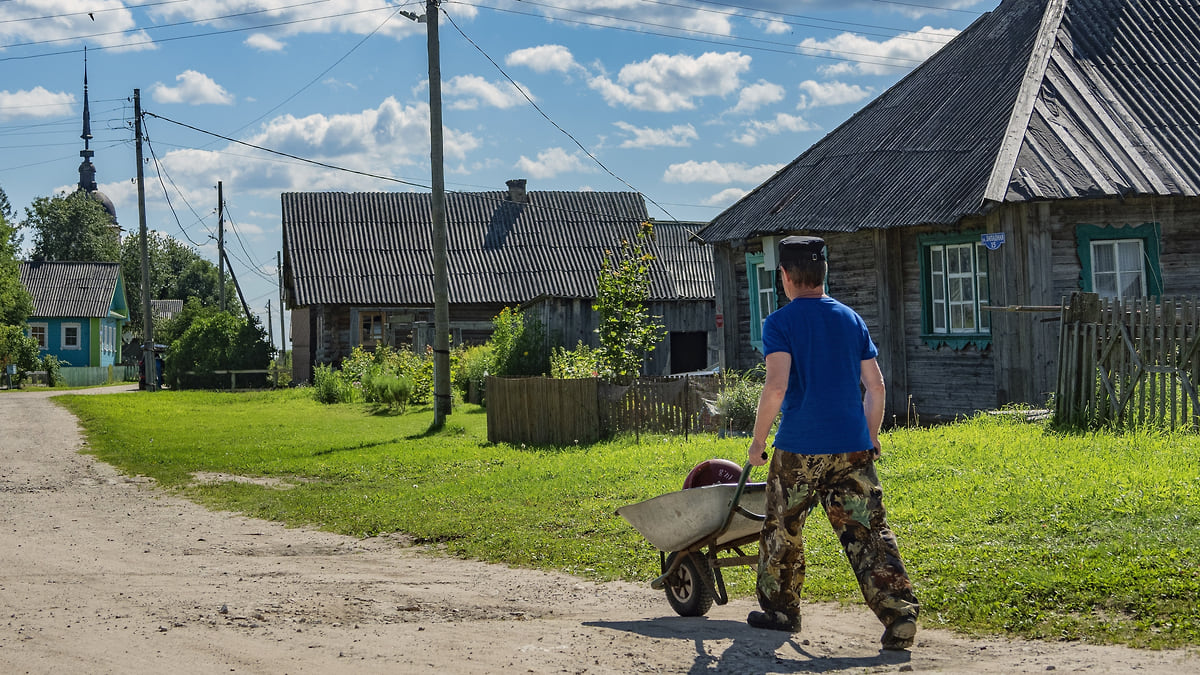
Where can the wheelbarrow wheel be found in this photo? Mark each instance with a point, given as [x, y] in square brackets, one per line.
[690, 588]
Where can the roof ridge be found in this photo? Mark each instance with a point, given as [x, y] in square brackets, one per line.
[1022, 110]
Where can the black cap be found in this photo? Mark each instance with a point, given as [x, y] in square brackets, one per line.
[798, 249]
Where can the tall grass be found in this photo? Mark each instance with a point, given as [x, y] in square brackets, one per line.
[1005, 526]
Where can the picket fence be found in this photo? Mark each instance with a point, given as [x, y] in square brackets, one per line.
[1129, 363]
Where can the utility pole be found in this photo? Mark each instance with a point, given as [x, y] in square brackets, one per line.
[270, 330]
[441, 277]
[282, 327]
[148, 362]
[221, 242]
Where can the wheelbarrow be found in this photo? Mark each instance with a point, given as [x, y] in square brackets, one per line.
[691, 529]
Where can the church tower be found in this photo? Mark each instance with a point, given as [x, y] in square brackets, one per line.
[87, 170]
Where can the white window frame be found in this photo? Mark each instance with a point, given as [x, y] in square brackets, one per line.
[957, 294]
[43, 343]
[78, 337]
[761, 297]
[1120, 275]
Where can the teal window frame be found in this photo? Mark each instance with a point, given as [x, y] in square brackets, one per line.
[982, 336]
[754, 262]
[1148, 233]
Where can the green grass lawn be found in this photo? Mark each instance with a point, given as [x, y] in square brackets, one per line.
[1006, 527]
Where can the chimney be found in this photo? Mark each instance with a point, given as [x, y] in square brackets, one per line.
[516, 191]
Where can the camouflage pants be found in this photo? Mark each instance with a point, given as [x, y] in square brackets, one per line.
[848, 489]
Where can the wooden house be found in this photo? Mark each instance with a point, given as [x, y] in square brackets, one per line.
[358, 270]
[1051, 147]
[79, 309]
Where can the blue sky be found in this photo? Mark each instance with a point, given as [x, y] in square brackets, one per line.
[692, 103]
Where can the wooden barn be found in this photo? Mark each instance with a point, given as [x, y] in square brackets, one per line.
[358, 270]
[1052, 147]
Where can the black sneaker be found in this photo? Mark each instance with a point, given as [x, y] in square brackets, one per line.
[774, 621]
[900, 634]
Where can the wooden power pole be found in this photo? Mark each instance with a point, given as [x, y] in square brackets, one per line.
[149, 365]
[441, 277]
[221, 242]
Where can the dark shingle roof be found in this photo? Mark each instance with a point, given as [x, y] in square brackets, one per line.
[1039, 99]
[374, 248]
[71, 289]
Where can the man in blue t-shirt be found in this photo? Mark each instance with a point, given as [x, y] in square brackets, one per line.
[818, 353]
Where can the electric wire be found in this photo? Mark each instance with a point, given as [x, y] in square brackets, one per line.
[725, 41]
[550, 120]
[159, 171]
[100, 10]
[183, 37]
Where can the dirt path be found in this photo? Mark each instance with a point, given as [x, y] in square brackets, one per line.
[103, 573]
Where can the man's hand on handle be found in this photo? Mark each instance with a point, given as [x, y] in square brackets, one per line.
[757, 455]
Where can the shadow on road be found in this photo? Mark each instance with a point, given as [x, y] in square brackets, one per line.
[750, 646]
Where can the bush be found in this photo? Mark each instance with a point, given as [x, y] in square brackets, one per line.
[390, 390]
[219, 341]
[53, 368]
[738, 401]
[329, 387]
[518, 345]
[472, 368]
[362, 367]
[579, 363]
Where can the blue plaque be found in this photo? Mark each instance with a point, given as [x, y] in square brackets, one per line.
[992, 240]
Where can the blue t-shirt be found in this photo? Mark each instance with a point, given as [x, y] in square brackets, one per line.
[823, 407]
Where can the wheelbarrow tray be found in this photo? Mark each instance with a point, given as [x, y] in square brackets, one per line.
[679, 521]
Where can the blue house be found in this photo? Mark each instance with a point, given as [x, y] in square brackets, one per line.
[79, 309]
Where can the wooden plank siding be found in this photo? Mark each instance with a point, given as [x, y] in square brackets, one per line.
[569, 321]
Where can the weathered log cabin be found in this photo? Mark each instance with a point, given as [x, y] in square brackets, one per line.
[1051, 147]
[358, 270]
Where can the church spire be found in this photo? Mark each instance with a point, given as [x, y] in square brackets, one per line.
[87, 171]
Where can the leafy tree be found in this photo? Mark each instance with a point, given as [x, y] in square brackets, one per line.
[177, 272]
[18, 349]
[15, 305]
[627, 331]
[71, 227]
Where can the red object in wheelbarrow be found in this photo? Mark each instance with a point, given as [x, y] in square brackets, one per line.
[691, 528]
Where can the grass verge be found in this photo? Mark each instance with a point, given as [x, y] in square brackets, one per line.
[1006, 527]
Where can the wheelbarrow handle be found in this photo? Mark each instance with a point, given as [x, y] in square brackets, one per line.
[737, 497]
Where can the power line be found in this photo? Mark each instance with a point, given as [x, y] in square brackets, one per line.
[182, 37]
[159, 171]
[91, 12]
[548, 119]
[940, 9]
[939, 40]
[324, 72]
[726, 41]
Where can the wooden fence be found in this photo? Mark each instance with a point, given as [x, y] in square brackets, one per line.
[543, 411]
[1129, 363]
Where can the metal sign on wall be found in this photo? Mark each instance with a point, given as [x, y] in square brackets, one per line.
[992, 240]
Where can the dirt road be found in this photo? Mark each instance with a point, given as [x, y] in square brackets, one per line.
[104, 573]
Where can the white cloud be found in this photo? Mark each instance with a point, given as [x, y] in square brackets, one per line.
[194, 89]
[678, 136]
[725, 197]
[544, 59]
[667, 83]
[903, 52]
[357, 17]
[713, 171]
[551, 162]
[757, 95]
[264, 43]
[111, 25]
[472, 91]
[392, 139]
[35, 103]
[817, 94]
[755, 130]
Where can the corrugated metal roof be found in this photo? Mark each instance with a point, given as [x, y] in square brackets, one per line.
[375, 248]
[1039, 99]
[70, 289]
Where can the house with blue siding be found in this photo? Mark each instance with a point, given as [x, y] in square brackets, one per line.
[79, 309]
